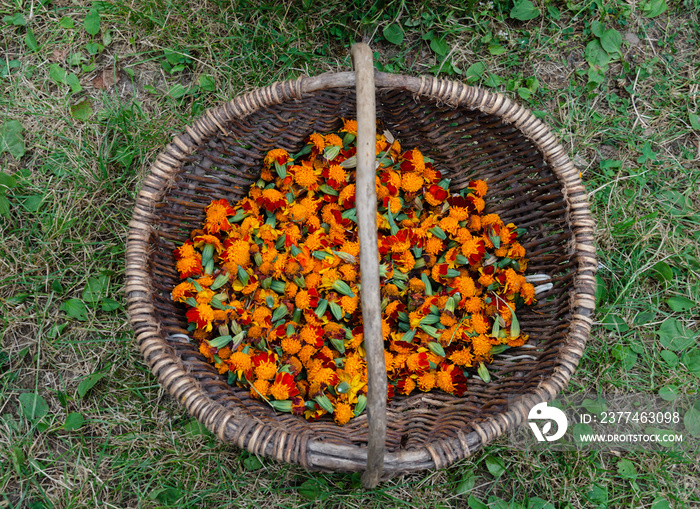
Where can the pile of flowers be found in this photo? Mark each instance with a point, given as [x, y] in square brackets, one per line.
[271, 284]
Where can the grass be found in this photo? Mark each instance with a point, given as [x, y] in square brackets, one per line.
[625, 108]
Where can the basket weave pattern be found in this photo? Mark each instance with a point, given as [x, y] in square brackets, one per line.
[470, 134]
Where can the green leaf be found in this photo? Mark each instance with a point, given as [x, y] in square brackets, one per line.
[680, 304]
[16, 19]
[252, 463]
[538, 503]
[626, 469]
[313, 489]
[474, 72]
[93, 48]
[92, 22]
[74, 421]
[660, 503]
[95, 288]
[57, 74]
[495, 465]
[662, 271]
[108, 304]
[691, 360]
[207, 83]
[668, 392]
[33, 202]
[694, 121]
[17, 299]
[466, 484]
[475, 503]
[614, 323]
[674, 336]
[595, 54]
[89, 382]
[643, 318]
[11, 141]
[625, 355]
[34, 407]
[31, 40]
[7, 181]
[652, 8]
[393, 33]
[167, 496]
[691, 419]
[66, 22]
[73, 82]
[82, 110]
[598, 494]
[524, 10]
[669, 358]
[597, 28]
[4, 206]
[177, 91]
[75, 308]
[611, 41]
[439, 46]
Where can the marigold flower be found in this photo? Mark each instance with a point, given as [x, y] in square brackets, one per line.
[278, 155]
[479, 323]
[185, 251]
[411, 182]
[336, 175]
[416, 285]
[201, 316]
[183, 291]
[284, 387]
[462, 357]
[473, 305]
[342, 413]
[349, 304]
[481, 346]
[479, 186]
[333, 139]
[346, 198]
[188, 267]
[260, 388]
[433, 246]
[291, 345]
[238, 252]
[405, 386]
[239, 363]
[349, 126]
[527, 291]
[305, 177]
[426, 381]
[435, 195]
[217, 213]
[318, 142]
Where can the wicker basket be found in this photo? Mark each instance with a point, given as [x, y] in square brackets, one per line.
[469, 133]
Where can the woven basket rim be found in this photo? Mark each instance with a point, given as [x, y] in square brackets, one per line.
[164, 362]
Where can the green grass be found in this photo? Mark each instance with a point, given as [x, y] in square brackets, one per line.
[625, 109]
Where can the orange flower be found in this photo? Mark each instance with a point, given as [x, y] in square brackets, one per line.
[479, 187]
[265, 365]
[188, 267]
[201, 316]
[239, 363]
[216, 216]
[284, 387]
[336, 175]
[291, 345]
[349, 126]
[278, 155]
[182, 291]
[333, 139]
[237, 251]
[426, 381]
[305, 177]
[318, 142]
[411, 182]
[480, 324]
[342, 413]
[462, 357]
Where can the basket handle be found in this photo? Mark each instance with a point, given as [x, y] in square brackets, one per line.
[366, 205]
